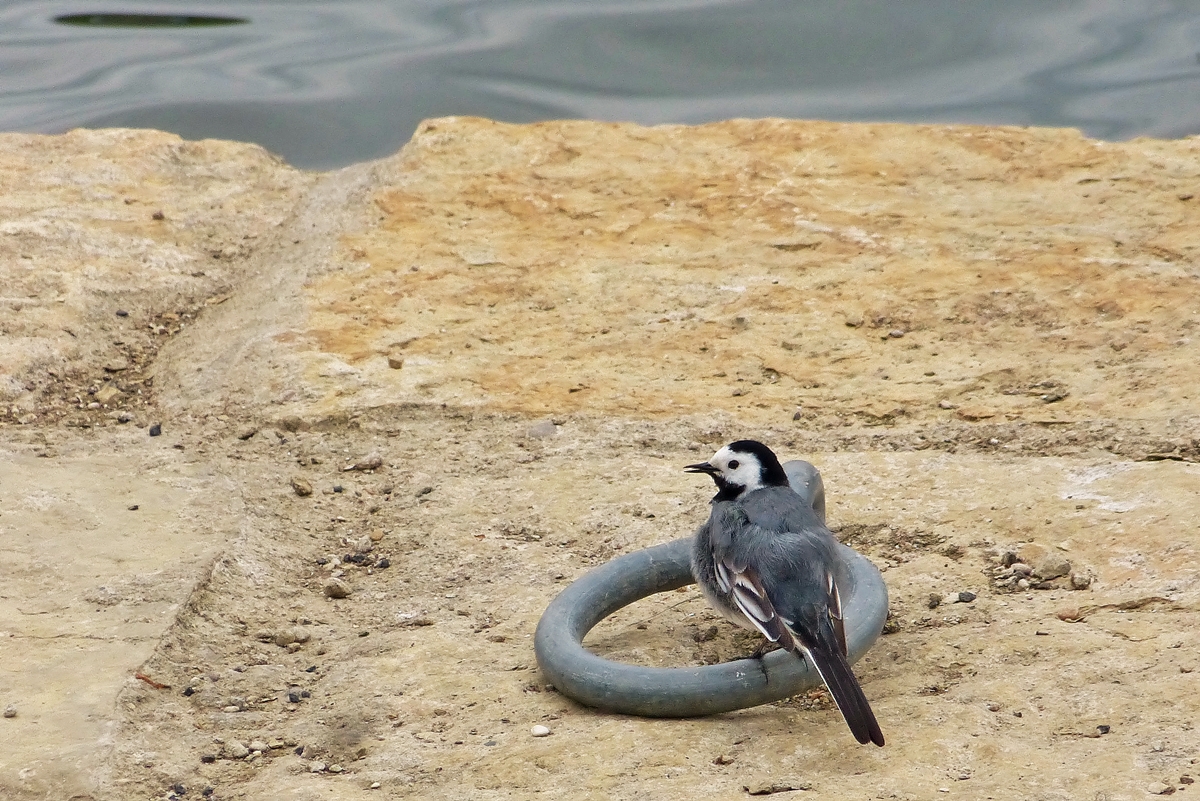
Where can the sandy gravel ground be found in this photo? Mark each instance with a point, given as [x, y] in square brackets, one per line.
[984, 338]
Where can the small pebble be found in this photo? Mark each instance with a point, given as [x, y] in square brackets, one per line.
[1081, 581]
[122, 313]
[292, 423]
[383, 563]
[208, 759]
[231, 708]
[336, 588]
[965, 597]
[107, 394]
[316, 766]
[301, 487]
[540, 731]
[773, 786]
[1158, 788]
[372, 462]
[155, 430]
[259, 745]
[335, 768]
[288, 637]
[543, 430]
[10, 711]
[376, 535]
[375, 785]
[235, 749]
[1052, 567]
[294, 697]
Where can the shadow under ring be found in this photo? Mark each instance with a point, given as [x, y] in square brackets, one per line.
[690, 691]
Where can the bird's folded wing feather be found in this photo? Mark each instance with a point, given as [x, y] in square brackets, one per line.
[835, 613]
[743, 585]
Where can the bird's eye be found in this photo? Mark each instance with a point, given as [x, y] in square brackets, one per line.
[733, 464]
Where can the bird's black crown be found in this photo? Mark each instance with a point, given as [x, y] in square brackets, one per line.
[772, 474]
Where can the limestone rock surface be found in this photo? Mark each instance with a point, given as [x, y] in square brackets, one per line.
[490, 355]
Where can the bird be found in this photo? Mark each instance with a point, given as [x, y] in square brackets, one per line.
[766, 562]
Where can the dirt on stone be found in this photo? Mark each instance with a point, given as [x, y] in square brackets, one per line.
[441, 387]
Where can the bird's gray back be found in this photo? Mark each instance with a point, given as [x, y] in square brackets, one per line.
[775, 529]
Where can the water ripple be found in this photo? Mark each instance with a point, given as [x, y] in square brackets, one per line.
[326, 83]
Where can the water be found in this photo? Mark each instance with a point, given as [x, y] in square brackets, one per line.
[329, 83]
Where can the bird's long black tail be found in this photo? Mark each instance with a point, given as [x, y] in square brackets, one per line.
[824, 652]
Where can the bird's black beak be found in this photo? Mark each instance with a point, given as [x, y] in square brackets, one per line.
[701, 467]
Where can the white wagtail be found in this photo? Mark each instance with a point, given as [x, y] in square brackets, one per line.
[765, 561]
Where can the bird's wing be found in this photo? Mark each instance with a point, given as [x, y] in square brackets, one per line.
[835, 613]
[743, 585]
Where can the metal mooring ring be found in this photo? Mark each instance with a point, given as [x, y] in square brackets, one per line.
[690, 691]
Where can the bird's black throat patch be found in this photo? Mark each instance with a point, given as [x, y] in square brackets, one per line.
[726, 490]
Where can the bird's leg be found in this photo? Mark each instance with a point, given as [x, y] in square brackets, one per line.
[765, 647]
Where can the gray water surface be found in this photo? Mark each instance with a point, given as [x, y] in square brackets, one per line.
[329, 83]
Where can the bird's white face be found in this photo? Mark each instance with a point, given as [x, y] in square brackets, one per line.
[738, 467]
